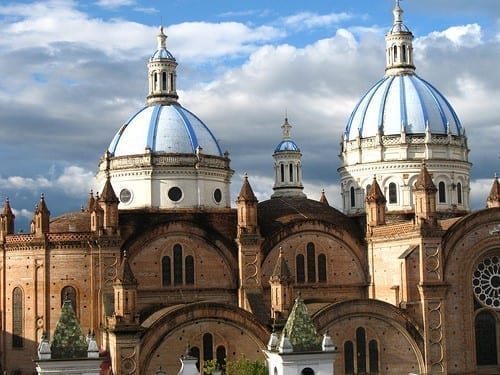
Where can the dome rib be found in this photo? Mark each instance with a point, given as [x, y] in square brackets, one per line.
[398, 101]
[153, 127]
[423, 107]
[189, 129]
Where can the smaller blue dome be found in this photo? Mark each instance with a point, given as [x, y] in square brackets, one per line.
[162, 53]
[287, 145]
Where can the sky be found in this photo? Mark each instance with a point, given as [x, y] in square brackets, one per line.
[72, 72]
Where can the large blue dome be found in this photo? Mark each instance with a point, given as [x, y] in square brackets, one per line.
[287, 145]
[398, 101]
[164, 129]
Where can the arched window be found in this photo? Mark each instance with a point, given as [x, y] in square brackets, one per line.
[189, 261]
[311, 263]
[164, 81]
[171, 77]
[177, 264]
[486, 339]
[373, 356]
[17, 318]
[68, 292]
[322, 268]
[290, 170]
[166, 274]
[459, 193]
[368, 187]
[208, 350]
[307, 371]
[299, 267]
[349, 358]
[156, 82]
[361, 349]
[221, 355]
[393, 193]
[442, 192]
[403, 53]
[395, 48]
[353, 196]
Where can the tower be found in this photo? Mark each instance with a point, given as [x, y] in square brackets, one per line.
[425, 198]
[281, 289]
[7, 220]
[287, 166]
[249, 255]
[399, 122]
[41, 218]
[375, 205]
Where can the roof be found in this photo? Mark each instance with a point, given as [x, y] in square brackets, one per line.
[275, 213]
[287, 145]
[164, 128]
[399, 103]
[300, 330]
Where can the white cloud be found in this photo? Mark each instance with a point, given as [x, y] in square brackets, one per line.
[461, 36]
[307, 20]
[115, 3]
[73, 181]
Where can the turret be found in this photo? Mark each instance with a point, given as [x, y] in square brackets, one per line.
[281, 283]
[247, 209]
[125, 288]
[425, 198]
[41, 218]
[6, 220]
[96, 214]
[494, 197]
[109, 204]
[249, 252]
[322, 198]
[375, 205]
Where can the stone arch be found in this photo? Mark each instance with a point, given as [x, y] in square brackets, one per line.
[466, 243]
[183, 228]
[390, 324]
[164, 324]
[315, 228]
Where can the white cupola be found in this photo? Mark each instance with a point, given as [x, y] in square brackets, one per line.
[287, 166]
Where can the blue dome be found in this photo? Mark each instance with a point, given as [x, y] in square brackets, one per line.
[164, 128]
[402, 100]
[287, 145]
[162, 53]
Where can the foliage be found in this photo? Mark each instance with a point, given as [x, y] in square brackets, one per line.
[244, 366]
[241, 366]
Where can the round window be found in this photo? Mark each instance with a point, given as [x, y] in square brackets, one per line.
[486, 282]
[218, 195]
[175, 194]
[125, 196]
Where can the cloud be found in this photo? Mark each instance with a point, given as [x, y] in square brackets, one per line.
[460, 36]
[308, 20]
[115, 3]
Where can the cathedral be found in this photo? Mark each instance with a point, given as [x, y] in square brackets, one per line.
[404, 280]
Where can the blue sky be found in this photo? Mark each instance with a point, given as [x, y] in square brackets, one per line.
[71, 72]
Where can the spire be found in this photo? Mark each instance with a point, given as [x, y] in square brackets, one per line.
[323, 199]
[41, 218]
[246, 192]
[125, 275]
[494, 197]
[90, 202]
[7, 219]
[108, 194]
[424, 180]
[399, 46]
[375, 193]
[281, 270]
